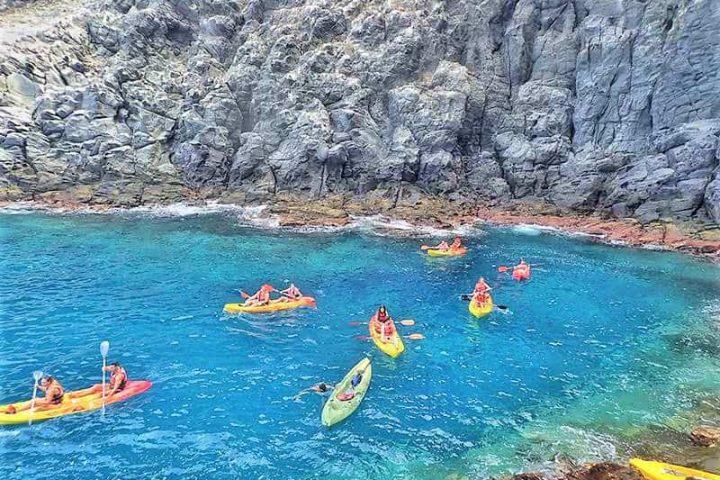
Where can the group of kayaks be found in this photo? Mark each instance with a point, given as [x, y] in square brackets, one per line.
[345, 397]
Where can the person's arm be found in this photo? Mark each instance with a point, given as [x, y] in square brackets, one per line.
[303, 392]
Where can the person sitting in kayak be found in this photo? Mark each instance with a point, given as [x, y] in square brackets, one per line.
[118, 378]
[457, 243]
[443, 246]
[291, 293]
[522, 268]
[54, 394]
[321, 389]
[482, 291]
[261, 297]
[383, 323]
[350, 393]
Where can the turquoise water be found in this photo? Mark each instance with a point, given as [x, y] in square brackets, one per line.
[601, 344]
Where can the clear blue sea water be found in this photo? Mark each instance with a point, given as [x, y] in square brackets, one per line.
[603, 343]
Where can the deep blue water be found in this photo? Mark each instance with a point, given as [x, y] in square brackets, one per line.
[602, 343]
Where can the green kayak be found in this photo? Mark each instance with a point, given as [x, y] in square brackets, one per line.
[345, 400]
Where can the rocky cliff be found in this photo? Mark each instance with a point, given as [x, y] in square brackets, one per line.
[589, 105]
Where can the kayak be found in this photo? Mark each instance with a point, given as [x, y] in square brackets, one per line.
[336, 409]
[521, 273]
[666, 471]
[78, 401]
[455, 252]
[273, 306]
[393, 346]
[481, 309]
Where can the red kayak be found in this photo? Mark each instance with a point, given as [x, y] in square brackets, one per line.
[521, 272]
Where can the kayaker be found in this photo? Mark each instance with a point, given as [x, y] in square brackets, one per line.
[321, 389]
[291, 293]
[457, 243]
[54, 394]
[522, 269]
[482, 289]
[118, 378]
[383, 323]
[442, 246]
[261, 297]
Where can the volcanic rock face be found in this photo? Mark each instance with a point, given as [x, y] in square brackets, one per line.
[592, 105]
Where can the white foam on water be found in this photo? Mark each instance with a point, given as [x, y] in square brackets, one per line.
[185, 210]
[526, 229]
[382, 225]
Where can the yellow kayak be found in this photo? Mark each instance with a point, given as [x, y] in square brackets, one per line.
[73, 402]
[666, 471]
[481, 309]
[273, 306]
[453, 252]
[393, 346]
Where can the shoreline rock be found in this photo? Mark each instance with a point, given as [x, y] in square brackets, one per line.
[337, 211]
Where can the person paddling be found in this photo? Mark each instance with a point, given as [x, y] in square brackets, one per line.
[54, 394]
[457, 243]
[521, 270]
[290, 293]
[481, 292]
[443, 246]
[261, 297]
[383, 323]
[118, 378]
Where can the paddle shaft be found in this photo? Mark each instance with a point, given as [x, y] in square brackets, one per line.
[32, 402]
[468, 298]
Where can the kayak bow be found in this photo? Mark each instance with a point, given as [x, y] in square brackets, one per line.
[666, 471]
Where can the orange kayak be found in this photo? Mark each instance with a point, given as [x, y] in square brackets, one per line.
[521, 273]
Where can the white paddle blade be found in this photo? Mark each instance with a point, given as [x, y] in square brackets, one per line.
[104, 348]
[37, 375]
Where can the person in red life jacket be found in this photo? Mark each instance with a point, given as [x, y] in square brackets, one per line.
[481, 292]
[291, 293]
[118, 378]
[383, 324]
[521, 270]
[457, 243]
[54, 394]
[262, 297]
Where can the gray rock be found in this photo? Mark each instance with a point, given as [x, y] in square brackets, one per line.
[593, 105]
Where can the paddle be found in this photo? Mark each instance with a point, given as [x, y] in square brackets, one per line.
[406, 323]
[412, 336]
[467, 297]
[37, 375]
[503, 268]
[104, 349]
